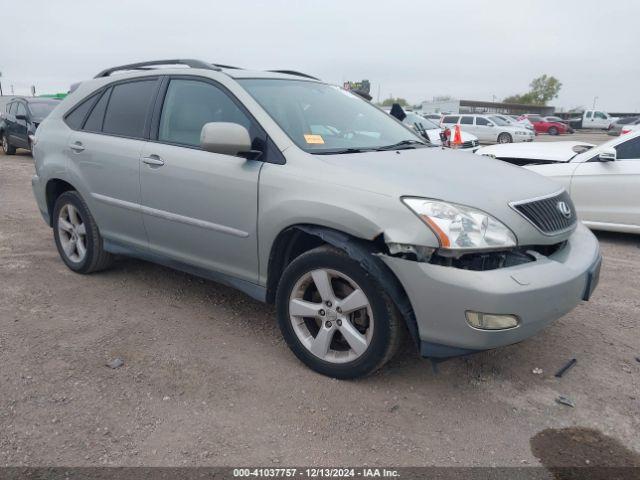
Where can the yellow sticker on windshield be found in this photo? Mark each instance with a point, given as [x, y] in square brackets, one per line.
[313, 139]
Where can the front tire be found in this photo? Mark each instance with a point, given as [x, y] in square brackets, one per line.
[76, 235]
[553, 131]
[504, 137]
[7, 148]
[334, 316]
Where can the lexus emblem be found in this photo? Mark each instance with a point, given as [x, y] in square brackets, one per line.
[564, 209]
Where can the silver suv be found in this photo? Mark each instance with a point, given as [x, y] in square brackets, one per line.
[304, 195]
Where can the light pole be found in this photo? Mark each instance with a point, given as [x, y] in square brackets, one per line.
[0, 84]
[594, 103]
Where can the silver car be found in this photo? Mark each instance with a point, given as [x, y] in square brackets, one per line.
[301, 194]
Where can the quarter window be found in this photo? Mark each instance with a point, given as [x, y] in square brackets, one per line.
[629, 150]
[189, 104]
[128, 107]
[78, 114]
[96, 117]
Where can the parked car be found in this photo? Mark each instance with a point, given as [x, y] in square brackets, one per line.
[434, 117]
[513, 121]
[620, 124]
[302, 194]
[542, 125]
[435, 133]
[489, 130]
[520, 121]
[603, 180]
[553, 118]
[630, 128]
[592, 119]
[20, 121]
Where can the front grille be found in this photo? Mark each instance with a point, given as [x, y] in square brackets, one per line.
[550, 215]
[470, 144]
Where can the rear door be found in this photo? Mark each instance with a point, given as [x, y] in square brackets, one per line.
[467, 125]
[200, 208]
[607, 192]
[105, 154]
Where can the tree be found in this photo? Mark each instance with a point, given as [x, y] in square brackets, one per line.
[543, 89]
[390, 101]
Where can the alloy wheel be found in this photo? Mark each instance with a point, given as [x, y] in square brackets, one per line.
[5, 144]
[331, 316]
[72, 233]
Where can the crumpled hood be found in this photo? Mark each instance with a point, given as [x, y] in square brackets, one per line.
[458, 177]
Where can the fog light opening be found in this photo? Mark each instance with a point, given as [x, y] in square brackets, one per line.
[491, 321]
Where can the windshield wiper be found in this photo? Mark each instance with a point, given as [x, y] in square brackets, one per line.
[404, 144]
[344, 150]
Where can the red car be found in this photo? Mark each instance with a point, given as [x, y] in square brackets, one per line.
[542, 125]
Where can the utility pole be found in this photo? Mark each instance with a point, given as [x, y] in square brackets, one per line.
[594, 103]
[0, 84]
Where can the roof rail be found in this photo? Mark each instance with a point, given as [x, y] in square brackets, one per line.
[145, 65]
[230, 67]
[293, 72]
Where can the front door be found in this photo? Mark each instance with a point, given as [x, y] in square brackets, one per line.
[200, 208]
[607, 192]
[19, 131]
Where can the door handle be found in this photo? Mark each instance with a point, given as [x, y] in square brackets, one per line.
[76, 147]
[153, 160]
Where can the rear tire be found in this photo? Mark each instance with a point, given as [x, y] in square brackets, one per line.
[327, 332]
[504, 137]
[553, 131]
[7, 148]
[76, 235]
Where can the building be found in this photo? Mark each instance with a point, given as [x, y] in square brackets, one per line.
[475, 106]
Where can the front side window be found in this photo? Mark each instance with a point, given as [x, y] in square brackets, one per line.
[600, 115]
[535, 118]
[189, 104]
[482, 121]
[629, 150]
[128, 107]
[21, 110]
[322, 118]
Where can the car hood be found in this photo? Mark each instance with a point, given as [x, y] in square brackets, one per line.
[457, 177]
[547, 151]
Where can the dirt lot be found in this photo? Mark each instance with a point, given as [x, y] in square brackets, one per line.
[208, 380]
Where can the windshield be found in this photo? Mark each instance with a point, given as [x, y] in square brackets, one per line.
[41, 109]
[499, 121]
[322, 118]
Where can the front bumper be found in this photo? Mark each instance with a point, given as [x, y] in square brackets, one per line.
[538, 293]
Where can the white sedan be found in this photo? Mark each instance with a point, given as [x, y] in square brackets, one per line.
[604, 180]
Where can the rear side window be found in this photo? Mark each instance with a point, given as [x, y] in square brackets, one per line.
[450, 119]
[466, 120]
[189, 104]
[128, 108]
[78, 114]
[94, 122]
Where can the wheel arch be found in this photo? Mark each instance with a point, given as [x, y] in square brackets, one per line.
[297, 239]
[54, 188]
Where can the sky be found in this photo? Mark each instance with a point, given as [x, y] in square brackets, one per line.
[468, 49]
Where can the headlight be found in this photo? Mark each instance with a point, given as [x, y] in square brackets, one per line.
[459, 227]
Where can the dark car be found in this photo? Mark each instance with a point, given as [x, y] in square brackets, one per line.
[20, 120]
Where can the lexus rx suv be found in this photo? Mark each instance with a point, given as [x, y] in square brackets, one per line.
[302, 194]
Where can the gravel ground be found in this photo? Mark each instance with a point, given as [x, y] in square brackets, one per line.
[208, 380]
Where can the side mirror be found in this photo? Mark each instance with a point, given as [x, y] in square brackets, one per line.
[607, 155]
[225, 138]
[21, 117]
